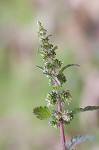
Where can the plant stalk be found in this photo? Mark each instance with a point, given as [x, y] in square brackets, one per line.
[62, 133]
[61, 125]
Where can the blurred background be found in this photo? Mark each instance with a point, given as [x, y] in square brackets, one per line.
[75, 29]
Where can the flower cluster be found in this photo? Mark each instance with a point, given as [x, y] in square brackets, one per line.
[61, 78]
[57, 63]
[52, 64]
[51, 98]
[54, 120]
[65, 117]
[65, 96]
[47, 52]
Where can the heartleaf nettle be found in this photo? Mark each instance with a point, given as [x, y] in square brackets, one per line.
[55, 73]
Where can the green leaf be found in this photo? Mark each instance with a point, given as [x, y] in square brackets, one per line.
[40, 68]
[88, 108]
[69, 65]
[77, 140]
[42, 112]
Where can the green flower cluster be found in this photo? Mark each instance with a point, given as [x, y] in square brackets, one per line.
[47, 52]
[61, 78]
[51, 98]
[46, 49]
[65, 96]
[65, 117]
[57, 63]
[52, 64]
[54, 121]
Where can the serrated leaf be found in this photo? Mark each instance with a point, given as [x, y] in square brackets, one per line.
[88, 108]
[77, 140]
[69, 65]
[42, 112]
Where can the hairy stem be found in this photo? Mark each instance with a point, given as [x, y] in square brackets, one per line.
[62, 134]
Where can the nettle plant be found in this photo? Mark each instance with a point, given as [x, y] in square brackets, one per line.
[55, 73]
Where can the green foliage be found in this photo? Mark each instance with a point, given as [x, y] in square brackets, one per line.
[42, 112]
[67, 66]
[77, 140]
[88, 108]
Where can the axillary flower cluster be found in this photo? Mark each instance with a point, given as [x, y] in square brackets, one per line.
[52, 68]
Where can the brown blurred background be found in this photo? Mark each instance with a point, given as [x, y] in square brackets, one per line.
[74, 25]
